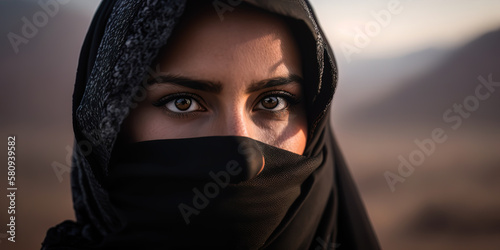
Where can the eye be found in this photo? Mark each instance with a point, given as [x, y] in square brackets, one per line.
[180, 103]
[272, 103]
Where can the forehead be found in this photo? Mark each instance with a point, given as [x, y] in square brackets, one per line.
[247, 41]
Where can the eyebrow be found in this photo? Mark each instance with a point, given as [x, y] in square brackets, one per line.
[187, 82]
[213, 87]
[272, 82]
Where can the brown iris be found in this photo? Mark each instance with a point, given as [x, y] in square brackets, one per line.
[183, 103]
[270, 102]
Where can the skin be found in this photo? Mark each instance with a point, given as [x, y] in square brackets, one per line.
[213, 83]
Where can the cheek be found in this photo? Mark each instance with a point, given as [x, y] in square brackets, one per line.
[291, 135]
[296, 141]
[147, 123]
[144, 124]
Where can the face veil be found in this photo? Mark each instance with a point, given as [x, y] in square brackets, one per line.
[222, 191]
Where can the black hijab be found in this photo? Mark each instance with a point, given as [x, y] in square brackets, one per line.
[238, 194]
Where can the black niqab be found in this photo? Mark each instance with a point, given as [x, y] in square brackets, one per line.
[122, 198]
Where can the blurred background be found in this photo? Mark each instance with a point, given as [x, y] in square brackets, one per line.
[406, 68]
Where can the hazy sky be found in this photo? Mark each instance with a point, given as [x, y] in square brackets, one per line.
[418, 24]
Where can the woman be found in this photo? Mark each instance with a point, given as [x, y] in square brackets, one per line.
[206, 124]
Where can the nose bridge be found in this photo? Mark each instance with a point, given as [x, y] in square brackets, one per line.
[235, 120]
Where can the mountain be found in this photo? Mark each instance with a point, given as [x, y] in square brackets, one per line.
[429, 95]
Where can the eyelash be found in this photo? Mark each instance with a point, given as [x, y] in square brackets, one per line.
[291, 100]
[166, 99]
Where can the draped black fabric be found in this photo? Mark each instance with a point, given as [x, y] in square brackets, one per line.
[224, 191]
[187, 193]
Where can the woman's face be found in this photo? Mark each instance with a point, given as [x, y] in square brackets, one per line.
[240, 76]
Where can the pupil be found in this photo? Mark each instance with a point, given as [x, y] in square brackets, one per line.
[270, 102]
[183, 103]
